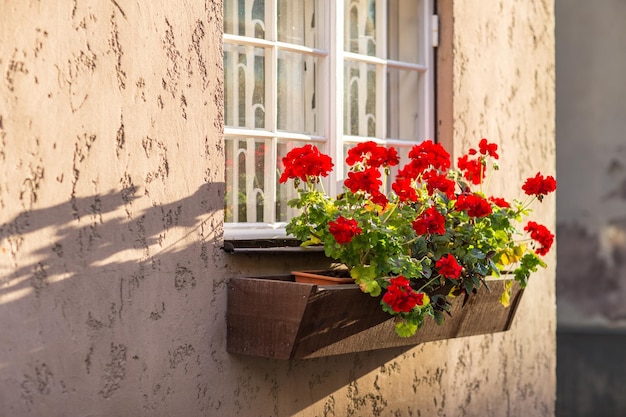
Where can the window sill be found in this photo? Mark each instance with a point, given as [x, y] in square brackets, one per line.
[270, 246]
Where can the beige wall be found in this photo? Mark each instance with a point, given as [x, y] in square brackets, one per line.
[112, 283]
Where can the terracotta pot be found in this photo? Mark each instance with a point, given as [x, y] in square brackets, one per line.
[317, 277]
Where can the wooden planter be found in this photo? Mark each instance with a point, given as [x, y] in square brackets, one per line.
[275, 317]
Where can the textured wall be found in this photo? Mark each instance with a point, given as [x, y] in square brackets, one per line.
[591, 163]
[112, 284]
[111, 181]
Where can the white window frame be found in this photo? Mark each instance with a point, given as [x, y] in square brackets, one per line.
[333, 138]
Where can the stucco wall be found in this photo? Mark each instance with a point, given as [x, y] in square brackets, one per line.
[112, 291]
[111, 179]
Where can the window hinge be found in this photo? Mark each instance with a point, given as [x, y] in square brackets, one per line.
[434, 24]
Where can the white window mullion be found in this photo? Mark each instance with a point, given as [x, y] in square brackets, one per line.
[426, 110]
[234, 197]
[381, 70]
[271, 88]
[335, 93]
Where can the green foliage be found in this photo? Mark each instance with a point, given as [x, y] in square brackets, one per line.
[383, 242]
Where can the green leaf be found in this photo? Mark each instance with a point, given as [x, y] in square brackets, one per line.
[363, 273]
[404, 329]
[439, 317]
[370, 287]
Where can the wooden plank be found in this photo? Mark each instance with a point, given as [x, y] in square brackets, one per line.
[264, 315]
[483, 314]
[288, 320]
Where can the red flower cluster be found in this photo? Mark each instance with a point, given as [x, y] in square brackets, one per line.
[426, 154]
[306, 161]
[500, 202]
[441, 182]
[539, 186]
[429, 153]
[372, 155]
[401, 297]
[473, 169]
[404, 189]
[541, 235]
[367, 180]
[448, 266]
[430, 222]
[486, 148]
[475, 205]
[344, 229]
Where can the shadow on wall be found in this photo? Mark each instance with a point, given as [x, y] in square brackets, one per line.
[71, 243]
[102, 301]
[97, 294]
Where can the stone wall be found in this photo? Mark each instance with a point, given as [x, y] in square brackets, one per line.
[112, 281]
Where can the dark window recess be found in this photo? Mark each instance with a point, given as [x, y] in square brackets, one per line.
[267, 245]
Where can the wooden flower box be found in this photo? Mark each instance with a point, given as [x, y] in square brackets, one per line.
[276, 317]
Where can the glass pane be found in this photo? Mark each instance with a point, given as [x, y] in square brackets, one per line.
[244, 86]
[245, 18]
[403, 30]
[403, 116]
[297, 22]
[246, 166]
[359, 99]
[360, 26]
[297, 82]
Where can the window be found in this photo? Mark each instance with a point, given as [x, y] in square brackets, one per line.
[328, 72]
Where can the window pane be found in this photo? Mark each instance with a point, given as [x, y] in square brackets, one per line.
[245, 18]
[244, 86]
[297, 22]
[403, 104]
[359, 99]
[246, 170]
[404, 28]
[297, 83]
[360, 26]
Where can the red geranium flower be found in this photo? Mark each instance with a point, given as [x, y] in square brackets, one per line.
[475, 205]
[430, 222]
[367, 180]
[306, 161]
[343, 230]
[500, 202]
[487, 148]
[432, 154]
[448, 266]
[404, 189]
[401, 297]
[412, 170]
[372, 155]
[541, 235]
[473, 169]
[441, 182]
[379, 198]
[539, 186]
